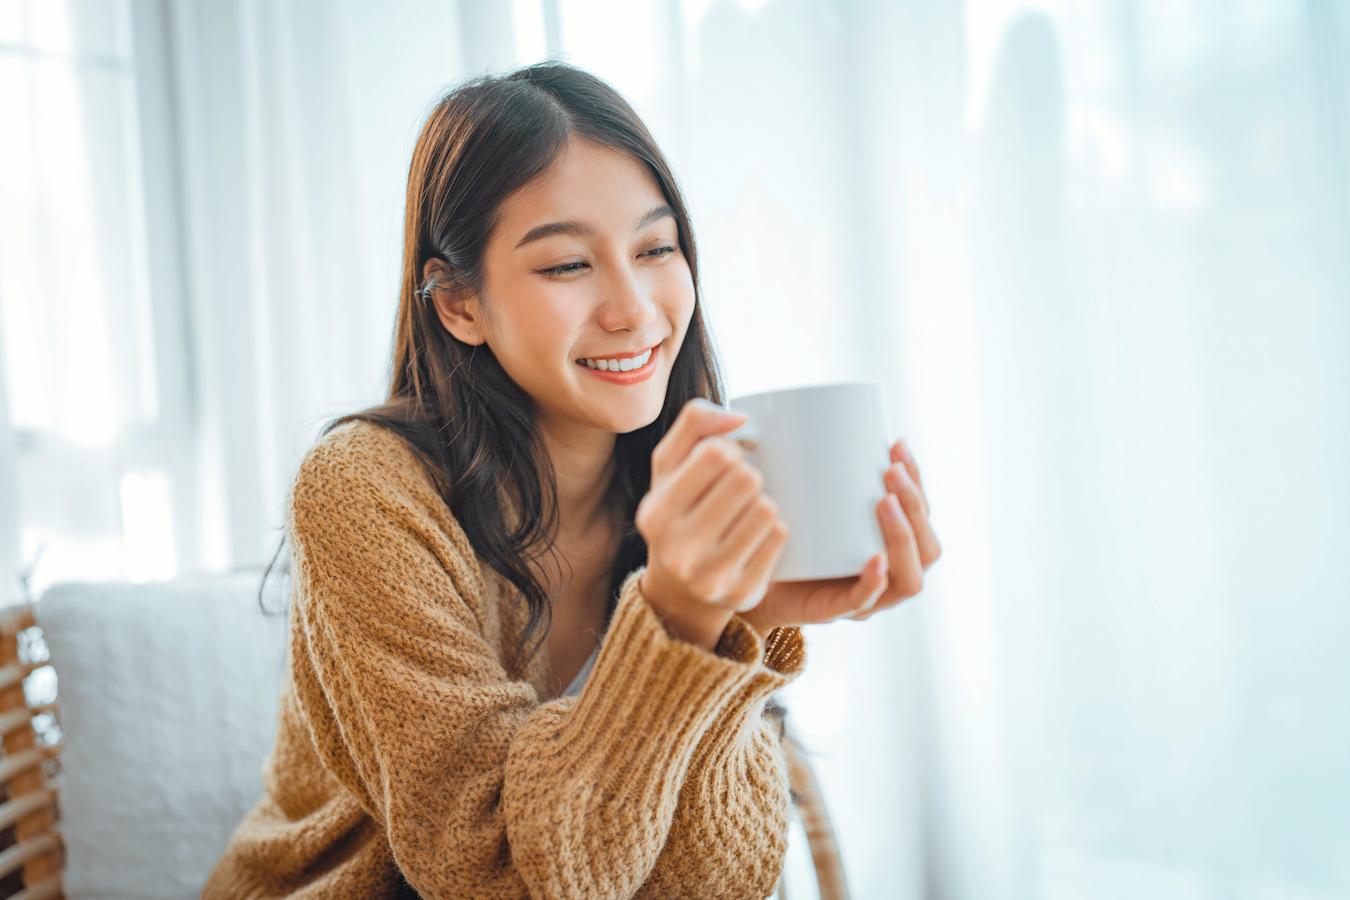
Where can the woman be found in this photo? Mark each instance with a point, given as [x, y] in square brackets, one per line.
[508, 494]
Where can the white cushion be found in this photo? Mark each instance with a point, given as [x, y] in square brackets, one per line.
[168, 697]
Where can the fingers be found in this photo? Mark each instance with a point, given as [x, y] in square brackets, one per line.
[760, 565]
[899, 482]
[753, 540]
[900, 454]
[736, 488]
[749, 525]
[701, 470]
[870, 587]
[699, 418]
[902, 553]
[687, 514]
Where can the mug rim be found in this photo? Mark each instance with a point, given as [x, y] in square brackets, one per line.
[806, 388]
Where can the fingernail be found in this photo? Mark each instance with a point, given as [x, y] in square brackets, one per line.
[893, 506]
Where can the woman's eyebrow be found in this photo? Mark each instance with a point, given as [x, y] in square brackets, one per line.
[585, 229]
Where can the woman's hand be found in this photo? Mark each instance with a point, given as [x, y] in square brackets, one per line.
[713, 538]
[887, 578]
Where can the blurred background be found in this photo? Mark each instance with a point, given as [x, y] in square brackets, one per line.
[1096, 251]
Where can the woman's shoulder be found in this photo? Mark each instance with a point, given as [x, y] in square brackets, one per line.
[359, 467]
[362, 477]
[359, 438]
[363, 493]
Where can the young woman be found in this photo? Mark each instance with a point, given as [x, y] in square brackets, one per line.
[517, 494]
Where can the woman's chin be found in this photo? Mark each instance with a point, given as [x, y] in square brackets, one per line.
[623, 421]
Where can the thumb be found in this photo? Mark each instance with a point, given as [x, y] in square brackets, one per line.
[699, 418]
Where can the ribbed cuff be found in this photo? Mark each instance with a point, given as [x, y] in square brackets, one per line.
[740, 641]
[651, 697]
[779, 658]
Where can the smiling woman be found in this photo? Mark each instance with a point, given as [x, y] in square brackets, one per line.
[425, 745]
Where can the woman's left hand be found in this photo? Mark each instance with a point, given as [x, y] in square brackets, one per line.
[886, 579]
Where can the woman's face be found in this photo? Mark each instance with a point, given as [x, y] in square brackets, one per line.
[611, 280]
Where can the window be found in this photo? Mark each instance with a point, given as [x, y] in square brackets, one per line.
[93, 400]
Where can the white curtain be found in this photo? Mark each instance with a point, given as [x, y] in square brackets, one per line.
[1095, 252]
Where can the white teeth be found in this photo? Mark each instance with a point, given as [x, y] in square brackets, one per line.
[619, 365]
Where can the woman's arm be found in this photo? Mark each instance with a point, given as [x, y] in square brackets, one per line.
[479, 789]
[729, 835]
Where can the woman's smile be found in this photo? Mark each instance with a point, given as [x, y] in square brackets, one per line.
[633, 376]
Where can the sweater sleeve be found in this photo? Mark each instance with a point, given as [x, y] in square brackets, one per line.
[480, 790]
[729, 836]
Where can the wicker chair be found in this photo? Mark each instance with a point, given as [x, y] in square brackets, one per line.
[30, 847]
[810, 805]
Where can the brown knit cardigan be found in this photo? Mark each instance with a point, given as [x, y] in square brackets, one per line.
[417, 755]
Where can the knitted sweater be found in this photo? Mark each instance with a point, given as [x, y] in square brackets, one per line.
[416, 754]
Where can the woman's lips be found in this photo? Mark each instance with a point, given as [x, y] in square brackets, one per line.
[632, 377]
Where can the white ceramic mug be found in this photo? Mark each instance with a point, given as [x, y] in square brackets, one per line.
[823, 451]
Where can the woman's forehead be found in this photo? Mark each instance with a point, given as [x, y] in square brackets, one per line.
[587, 183]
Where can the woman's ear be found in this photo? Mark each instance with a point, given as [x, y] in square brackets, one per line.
[458, 309]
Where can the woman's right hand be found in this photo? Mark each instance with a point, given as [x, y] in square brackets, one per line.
[713, 537]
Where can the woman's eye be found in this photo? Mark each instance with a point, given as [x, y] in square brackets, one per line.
[561, 270]
[568, 268]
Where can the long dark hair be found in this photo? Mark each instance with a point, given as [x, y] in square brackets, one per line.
[472, 426]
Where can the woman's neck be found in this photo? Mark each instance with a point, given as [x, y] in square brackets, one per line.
[583, 463]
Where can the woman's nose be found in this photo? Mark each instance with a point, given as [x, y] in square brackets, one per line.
[628, 302]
